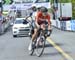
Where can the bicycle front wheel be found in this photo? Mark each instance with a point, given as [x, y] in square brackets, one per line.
[40, 44]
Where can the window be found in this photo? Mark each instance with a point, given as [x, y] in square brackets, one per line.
[18, 21]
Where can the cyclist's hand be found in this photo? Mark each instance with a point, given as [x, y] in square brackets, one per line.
[49, 28]
[43, 26]
[38, 26]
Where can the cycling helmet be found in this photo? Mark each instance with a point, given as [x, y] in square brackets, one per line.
[44, 9]
[33, 7]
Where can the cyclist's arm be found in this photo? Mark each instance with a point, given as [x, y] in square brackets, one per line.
[49, 22]
[36, 22]
[42, 19]
[37, 18]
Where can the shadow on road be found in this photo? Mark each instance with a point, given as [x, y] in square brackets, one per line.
[49, 45]
[53, 54]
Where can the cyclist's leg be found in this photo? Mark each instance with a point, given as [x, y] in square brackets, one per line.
[35, 31]
[34, 35]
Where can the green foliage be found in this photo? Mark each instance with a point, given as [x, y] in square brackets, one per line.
[51, 1]
[73, 1]
[62, 1]
[50, 10]
[73, 10]
[7, 1]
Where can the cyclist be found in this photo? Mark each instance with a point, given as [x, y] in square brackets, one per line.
[31, 11]
[41, 16]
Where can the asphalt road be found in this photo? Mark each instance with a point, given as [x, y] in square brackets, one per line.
[17, 48]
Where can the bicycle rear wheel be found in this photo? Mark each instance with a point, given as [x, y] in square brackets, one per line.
[40, 44]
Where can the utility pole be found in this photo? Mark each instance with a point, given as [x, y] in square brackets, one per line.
[1, 10]
[60, 10]
[1, 7]
[55, 8]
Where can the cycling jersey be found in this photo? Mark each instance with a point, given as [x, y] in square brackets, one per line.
[40, 16]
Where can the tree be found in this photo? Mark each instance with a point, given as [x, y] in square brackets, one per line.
[7, 1]
[73, 8]
[3, 1]
[11, 2]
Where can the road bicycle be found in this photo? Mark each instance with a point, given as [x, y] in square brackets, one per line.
[39, 43]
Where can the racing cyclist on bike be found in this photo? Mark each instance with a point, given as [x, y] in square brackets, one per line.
[41, 17]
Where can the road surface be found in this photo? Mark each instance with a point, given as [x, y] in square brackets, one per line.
[60, 46]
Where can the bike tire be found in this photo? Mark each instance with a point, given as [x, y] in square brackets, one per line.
[38, 52]
[31, 52]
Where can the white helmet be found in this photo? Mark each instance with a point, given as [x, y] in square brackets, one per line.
[33, 5]
[38, 6]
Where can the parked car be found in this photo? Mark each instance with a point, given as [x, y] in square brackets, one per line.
[19, 28]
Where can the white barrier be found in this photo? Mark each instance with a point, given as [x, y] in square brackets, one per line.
[58, 23]
[4, 26]
[53, 22]
[64, 25]
[68, 25]
[72, 25]
[24, 6]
